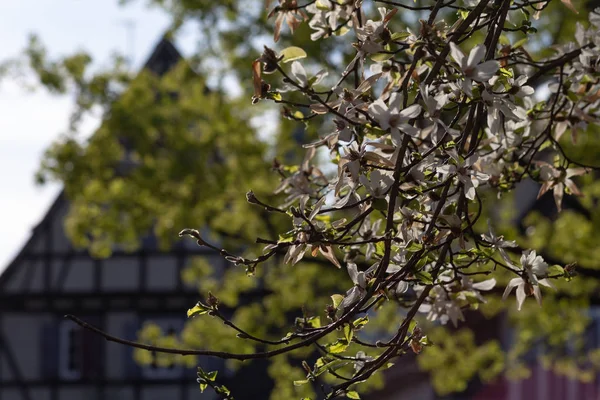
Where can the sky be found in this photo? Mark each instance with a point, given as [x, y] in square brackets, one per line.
[30, 121]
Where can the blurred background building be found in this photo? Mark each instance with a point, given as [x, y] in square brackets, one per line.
[45, 357]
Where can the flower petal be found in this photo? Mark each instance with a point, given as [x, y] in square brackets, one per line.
[380, 111]
[558, 196]
[513, 282]
[485, 71]
[520, 296]
[351, 297]
[537, 293]
[353, 272]
[546, 282]
[456, 54]
[299, 73]
[476, 55]
[411, 112]
[485, 285]
[401, 288]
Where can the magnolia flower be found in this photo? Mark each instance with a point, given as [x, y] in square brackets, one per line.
[500, 108]
[367, 231]
[369, 36]
[557, 179]
[519, 88]
[401, 286]
[443, 308]
[361, 358]
[467, 174]
[325, 19]
[348, 99]
[299, 75]
[299, 183]
[292, 16]
[358, 290]
[576, 119]
[392, 119]
[535, 271]
[471, 68]
[498, 242]
[378, 183]
[473, 288]
[373, 29]
[355, 155]
[433, 110]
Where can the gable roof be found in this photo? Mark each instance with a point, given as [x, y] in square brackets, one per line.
[164, 56]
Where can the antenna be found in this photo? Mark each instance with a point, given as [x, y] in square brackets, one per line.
[130, 26]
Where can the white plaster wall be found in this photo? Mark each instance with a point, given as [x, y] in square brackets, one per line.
[80, 277]
[22, 333]
[36, 284]
[60, 242]
[120, 274]
[116, 324]
[162, 273]
[16, 281]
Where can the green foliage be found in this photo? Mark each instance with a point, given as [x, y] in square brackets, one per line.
[454, 360]
[194, 157]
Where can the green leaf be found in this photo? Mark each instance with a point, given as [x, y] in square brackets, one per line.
[352, 395]
[425, 341]
[212, 375]
[323, 7]
[335, 364]
[339, 346]
[379, 57]
[274, 96]
[555, 270]
[424, 277]
[413, 247]
[314, 322]
[337, 299]
[519, 43]
[302, 382]
[203, 387]
[506, 72]
[223, 390]
[360, 322]
[380, 204]
[286, 238]
[292, 53]
[198, 309]
[503, 40]
[348, 333]
[400, 36]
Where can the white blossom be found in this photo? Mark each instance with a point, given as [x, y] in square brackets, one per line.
[534, 273]
[471, 67]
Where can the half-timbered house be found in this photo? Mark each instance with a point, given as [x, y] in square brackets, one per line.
[46, 357]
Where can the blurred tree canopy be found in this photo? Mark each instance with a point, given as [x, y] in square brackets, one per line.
[150, 167]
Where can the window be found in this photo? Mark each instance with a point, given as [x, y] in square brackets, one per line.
[593, 329]
[169, 326]
[71, 351]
